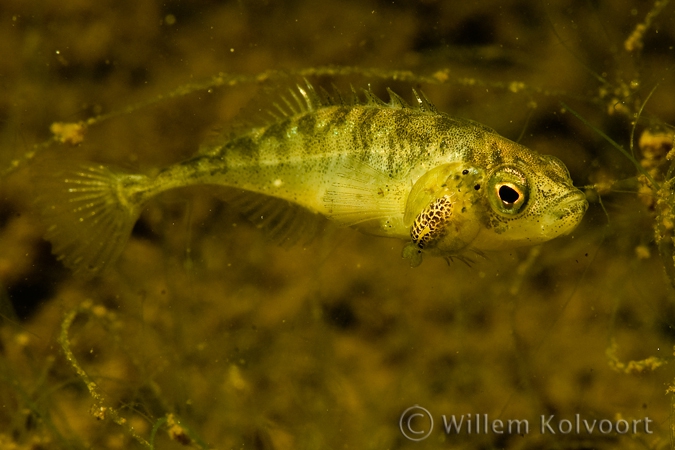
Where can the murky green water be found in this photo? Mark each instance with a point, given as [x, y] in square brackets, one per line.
[210, 334]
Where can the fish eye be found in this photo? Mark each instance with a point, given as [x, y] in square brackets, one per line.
[509, 194]
[508, 191]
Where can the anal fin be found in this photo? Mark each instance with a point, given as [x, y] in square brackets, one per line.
[283, 222]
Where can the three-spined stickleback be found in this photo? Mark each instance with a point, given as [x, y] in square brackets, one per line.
[445, 185]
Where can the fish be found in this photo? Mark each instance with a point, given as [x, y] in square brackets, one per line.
[446, 186]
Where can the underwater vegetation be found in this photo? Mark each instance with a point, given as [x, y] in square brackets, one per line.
[206, 334]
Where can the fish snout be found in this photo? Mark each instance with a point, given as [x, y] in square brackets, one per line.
[573, 205]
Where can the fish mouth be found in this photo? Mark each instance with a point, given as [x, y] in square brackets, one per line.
[572, 203]
[574, 198]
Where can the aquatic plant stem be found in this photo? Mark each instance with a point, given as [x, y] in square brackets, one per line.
[100, 410]
[73, 133]
[623, 151]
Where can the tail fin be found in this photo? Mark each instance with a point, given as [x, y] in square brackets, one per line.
[89, 212]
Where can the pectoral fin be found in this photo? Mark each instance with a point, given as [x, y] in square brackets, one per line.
[361, 193]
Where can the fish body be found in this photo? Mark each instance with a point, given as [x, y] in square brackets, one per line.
[445, 185]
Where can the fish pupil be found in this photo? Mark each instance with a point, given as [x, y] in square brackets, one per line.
[508, 195]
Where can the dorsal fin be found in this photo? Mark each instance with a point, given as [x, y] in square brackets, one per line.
[302, 99]
[372, 99]
[396, 101]
[333, 98]
[423, 103]
[282, 101]
[312, 99]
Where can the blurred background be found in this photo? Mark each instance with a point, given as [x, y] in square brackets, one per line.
[243, 344]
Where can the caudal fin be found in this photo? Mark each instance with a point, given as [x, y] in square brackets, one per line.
[88, 212]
